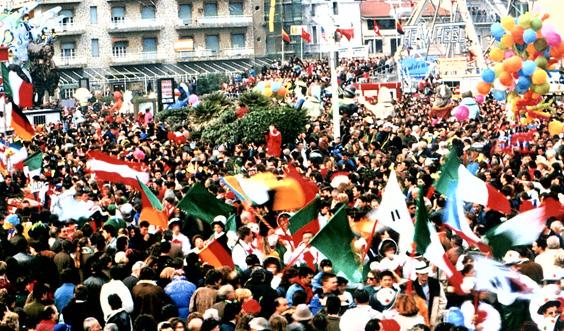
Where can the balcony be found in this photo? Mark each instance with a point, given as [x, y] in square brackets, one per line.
[203, 22]
[210, 54]
[69, 29]
[122, 25]
[66, 62]
[136, 58]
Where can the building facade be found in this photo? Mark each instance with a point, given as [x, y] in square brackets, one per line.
[128, 42]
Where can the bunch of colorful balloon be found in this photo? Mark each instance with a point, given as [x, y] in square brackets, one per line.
[271, 88]
[527, 48]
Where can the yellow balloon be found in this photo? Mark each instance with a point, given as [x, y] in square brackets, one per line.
[555, 128]
[507, 40]
[539, 77]
[498, 68]
[508, 23]
[267, 91]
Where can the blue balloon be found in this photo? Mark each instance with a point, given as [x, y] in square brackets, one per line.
[488, 76]
[497, 31]
[529, 36]
[275, 86]
[520, 90]
[529, 67]
[524, 82]
[499, 95]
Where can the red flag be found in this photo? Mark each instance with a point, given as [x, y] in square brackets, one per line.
[306, 36]
[21, 125]
[309, 187]
[111, 169]
[216, 255]
[347, 33]
[377, 29]
[399, 28]
[286, 36]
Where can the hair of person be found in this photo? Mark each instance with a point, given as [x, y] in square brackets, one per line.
[319, 322]
[333, 305]
[213, 277]
[361, 296]
[242, 294]
[325, 263]
[114, 301]
[406, 305]
[372, 325]
[167, 273]
[299, 297]
[145, 322]
[209, 324]
[110, 229]
[147, 273]
[277, 323]
[387, 273]
[231, 310]
[47, 312]
[89, 323]
[303, 272]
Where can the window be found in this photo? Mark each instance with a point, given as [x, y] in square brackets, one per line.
[395, 44]
[288, 13]
[119, 49]
[210, 9]
[67, 94]
[149, 45]
[93, 15]
[375, 46]
[384, 24]
[68, 49]
[235, 8]
[314, 34]
[212, 43]
[38, 119]
[118, 15]
[68, 17]
[148, 13]
[95, 47]
[185, 12]
[335, 8]
[237, 40]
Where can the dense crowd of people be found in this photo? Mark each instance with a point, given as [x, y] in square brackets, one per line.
[115, 271]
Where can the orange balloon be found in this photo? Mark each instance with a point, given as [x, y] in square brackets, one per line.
[506, 79]
[496, 54]
[483, 87]
[531, 49]
[513, 64]
[282, 91]
[507, 40]
[517, 34]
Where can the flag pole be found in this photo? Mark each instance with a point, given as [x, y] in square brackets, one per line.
[282, 28]
[302, 48]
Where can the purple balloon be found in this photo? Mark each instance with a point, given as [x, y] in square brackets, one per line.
[461, 112]
[192, 99]
[553, 39]
[480, 99]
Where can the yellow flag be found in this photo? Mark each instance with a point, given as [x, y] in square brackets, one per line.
[271, 15]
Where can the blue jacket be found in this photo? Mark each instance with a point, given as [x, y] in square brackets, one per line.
[290, 293]
[180, 291]
[64, 295]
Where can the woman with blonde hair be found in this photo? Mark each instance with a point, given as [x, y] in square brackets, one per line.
[408, 313]
[243, 295]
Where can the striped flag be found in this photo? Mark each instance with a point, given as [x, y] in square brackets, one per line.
[286, 36]
[455, 219]
[304, 221]
[428, 244]
[17, 86]
[399, 28]
[377, 28]
[323, 35]
[21, 125]
[456, 178]
[152, 210]
[216, 255]
[111, 169]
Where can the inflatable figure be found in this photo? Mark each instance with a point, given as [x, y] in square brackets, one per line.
[442, 104]
[118, 102]
[182, 99]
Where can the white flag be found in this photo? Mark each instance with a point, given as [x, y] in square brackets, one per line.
[393, 213]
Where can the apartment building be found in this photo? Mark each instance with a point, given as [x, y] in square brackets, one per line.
[132, 43]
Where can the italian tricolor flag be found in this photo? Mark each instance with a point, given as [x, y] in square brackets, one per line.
[456, 178]
[33, 165]
[16, 88]
[428, 244]
[152, 210]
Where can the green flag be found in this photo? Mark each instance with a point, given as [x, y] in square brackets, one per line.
[199, 202]
[305, 220]
[449, 174]
[6, 81]
[422, 235]
[335, 241]
[34, 164]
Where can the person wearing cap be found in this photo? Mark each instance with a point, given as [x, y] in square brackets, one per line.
[259, 324]
[302, 315]
[178, 237]
[550, 316]
[218, 226]
[430, 290]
